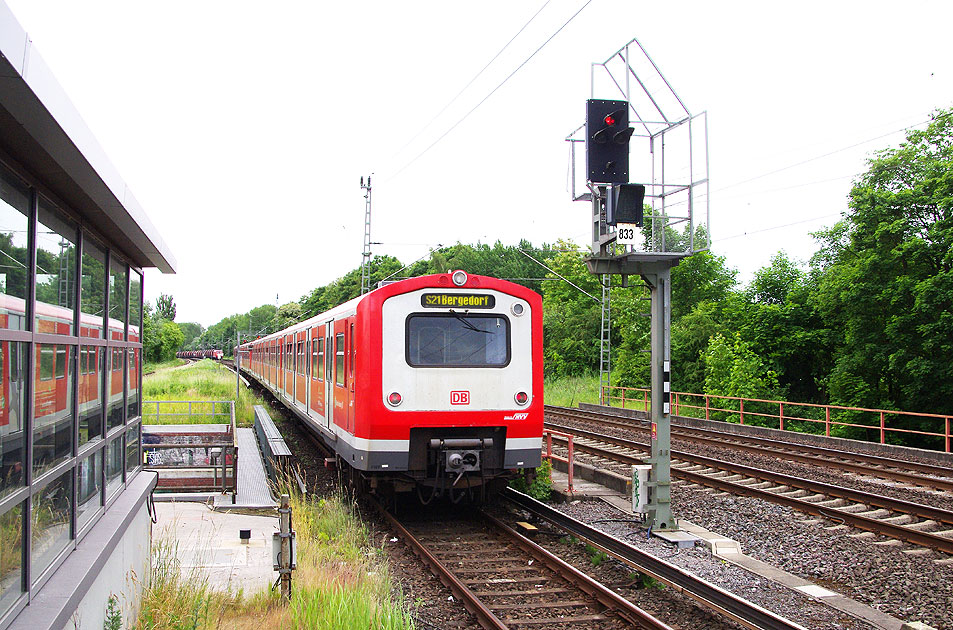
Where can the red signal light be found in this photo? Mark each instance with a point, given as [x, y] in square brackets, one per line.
[609, 120]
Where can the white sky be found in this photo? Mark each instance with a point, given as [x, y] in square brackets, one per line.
[243, 128]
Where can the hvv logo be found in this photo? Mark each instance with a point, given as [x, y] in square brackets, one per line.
[460, 398]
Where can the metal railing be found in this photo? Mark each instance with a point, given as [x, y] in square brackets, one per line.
[189, 458]
[168, 411]
[568, 459]
[788, 416]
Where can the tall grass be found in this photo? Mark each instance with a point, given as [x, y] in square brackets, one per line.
[569, 391]
[205, 380]
[341, 581]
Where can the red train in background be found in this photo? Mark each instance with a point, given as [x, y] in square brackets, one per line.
[200, 354]
[431, 384]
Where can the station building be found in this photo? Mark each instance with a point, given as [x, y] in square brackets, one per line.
[75, 526]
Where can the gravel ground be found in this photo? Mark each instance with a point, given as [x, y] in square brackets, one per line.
[778, 599]
[909, 586]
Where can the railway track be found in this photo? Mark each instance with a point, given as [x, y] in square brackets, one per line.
[913, 523]
[507, 581]
[907, 472]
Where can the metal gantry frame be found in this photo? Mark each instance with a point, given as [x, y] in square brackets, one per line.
[669, 147]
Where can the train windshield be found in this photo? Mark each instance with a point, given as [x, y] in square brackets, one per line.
[458, 340]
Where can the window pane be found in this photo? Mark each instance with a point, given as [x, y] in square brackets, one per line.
[91, 394]
[135, 305]
[117, 299]
[94, 290]
[133, 454]
[114, 456]
[132, 380]
[89, 496]
[55, 271]
[339, 359]
[14, 251]
[53, 408]
[457, 341]
[114, 409]
[11, 557]
[50, 522]
[12, 412]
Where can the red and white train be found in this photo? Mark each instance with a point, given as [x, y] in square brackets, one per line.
[200, 354]
[433, 383]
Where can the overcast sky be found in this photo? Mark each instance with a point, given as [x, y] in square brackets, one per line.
[243, 128]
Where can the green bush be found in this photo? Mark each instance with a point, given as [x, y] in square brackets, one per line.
[541, 487]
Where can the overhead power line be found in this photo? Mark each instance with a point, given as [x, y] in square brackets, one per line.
[492, 92]
[475, 77]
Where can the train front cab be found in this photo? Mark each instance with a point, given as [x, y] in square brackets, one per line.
[452, 393]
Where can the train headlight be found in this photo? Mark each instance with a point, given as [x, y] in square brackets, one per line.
[521, 398]
[517, 309]
[459, 278]
[394, 399]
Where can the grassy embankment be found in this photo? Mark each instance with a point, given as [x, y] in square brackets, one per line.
[569, 391]
[155, 367]
[342, 581]
[205, 381]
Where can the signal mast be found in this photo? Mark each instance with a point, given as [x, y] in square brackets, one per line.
[649, 123]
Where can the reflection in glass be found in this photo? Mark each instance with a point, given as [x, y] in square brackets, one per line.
[52, 406]
[114, 379]
[132, 398]
[55, 271]
[114, 465]
[135, 305]
[11, 556]
[89, 494]
[14, 250]
[12, 411]
[117, 299]
[92, 366]
[50, 523]
[133, 455]
[94, 290]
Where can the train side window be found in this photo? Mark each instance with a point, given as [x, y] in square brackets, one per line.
[60, 362]
[315, 372]
[47, 358]
[318, 371]
[339, 359]
[301, 358]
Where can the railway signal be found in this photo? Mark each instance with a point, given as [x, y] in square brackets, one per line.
[624, 204]
[607, 141]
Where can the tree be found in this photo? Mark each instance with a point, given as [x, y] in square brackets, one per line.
[887, 278]
[190, 331]
[171, 337]
[165, 307]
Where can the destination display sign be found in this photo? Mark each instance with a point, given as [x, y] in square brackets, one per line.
[457, 300]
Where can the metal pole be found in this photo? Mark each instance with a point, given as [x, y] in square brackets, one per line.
[660, 502]
[284, 516]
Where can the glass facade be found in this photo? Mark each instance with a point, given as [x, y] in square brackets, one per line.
[70, 381]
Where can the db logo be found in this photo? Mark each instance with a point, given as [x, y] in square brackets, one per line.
[459, 398]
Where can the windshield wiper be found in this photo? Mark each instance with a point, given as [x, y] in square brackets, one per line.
[466, 323]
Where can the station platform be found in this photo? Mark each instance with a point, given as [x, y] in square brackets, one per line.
[208, 548]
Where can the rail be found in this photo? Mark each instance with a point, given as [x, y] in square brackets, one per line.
[548, 434]
[791, 416]
[707, 594]
[192, 457]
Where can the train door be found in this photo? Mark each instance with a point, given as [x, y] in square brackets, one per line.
[301, 369]
[316, 380]
[329, 374]
[307, 371]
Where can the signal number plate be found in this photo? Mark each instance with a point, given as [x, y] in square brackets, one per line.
[626, 233]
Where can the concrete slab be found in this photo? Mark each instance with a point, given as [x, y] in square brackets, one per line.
[208, 547]
[253, 492]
